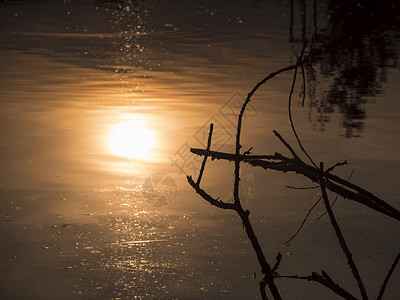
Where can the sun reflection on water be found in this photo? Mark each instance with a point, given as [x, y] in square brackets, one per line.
[132, 138]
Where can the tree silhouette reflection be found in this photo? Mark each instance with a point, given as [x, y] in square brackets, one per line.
[355, 45]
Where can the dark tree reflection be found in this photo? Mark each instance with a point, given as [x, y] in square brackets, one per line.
[356, 42]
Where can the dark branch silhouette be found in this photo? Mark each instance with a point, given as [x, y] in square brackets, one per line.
[326, 281]
[325, 180]
[340, 236]
[385, 282]
[338, 185]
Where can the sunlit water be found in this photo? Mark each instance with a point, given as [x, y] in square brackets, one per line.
[100, 103]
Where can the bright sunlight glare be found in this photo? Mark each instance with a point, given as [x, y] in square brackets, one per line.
[132, 139]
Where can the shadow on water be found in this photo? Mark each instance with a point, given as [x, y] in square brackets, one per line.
[355, 44]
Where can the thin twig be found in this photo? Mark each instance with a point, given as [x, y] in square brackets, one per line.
[206, 154]
[295, 156]
[389, 274]
[278, 262]
[339, 164]
[303, 188]
[304, 85]
[304, 221]
[340, 236]
[207, 197]
[336, 197]
[263, 292]
[324, 213]
[309, 212]
[324, 280]
[290, 107]
[248, 152]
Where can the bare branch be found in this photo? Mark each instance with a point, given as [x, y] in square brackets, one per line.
[389, 274]
[299, 62]
[304, 221]
[265, 266]
[278, 162]
[237, 159]
[340, 186]
[207, 197]
[278, 262]
[228, 156]
[263, 284]
[324, 280]
[303, 188]
[304, 85]
[323, 214]
[339, 164]
[287, 145]
[290, 105]
[334, 201]
[206, 154]
[340, 236]
[248, 151]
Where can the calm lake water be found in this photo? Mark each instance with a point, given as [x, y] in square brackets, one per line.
[101, 102]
